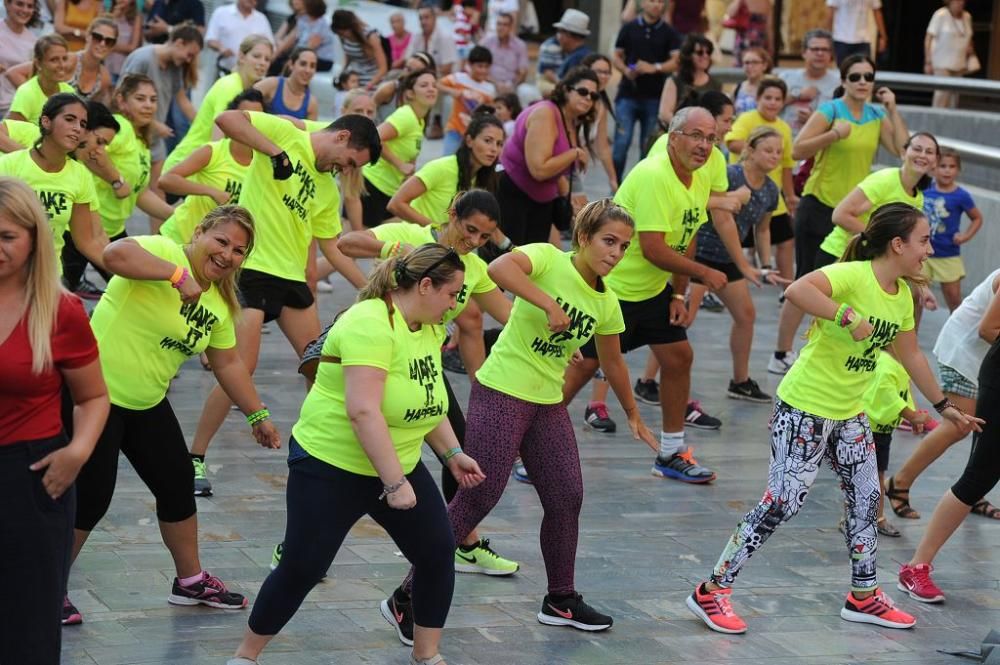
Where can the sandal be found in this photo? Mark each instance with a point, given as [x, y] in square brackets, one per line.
[899, 500]
[986, 509]
[887, 528]
[433, 660]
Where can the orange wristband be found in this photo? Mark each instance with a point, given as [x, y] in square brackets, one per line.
[177, 276]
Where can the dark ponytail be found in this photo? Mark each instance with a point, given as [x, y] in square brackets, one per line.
[466, 204]
[893, 220]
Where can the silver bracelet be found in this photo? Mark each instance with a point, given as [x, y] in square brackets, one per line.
[391, 489]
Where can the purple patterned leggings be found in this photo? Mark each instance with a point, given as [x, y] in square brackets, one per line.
[498, 428]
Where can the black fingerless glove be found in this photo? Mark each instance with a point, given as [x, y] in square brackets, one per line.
[282, 166]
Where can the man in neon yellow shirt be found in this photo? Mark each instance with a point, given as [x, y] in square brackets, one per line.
[294, 200]
[667, 195]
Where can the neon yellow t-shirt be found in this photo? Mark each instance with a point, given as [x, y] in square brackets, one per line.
[716, 163]
[832, 373]
[29, 100]
[440, 177]
[288, 214]
[882, 187]
[476, 280]
[659, 203]
[215, 102]
[888, 395]
[145, 333]
[23, 133]
[842, 165]
[414, 401]
[58, 192]
[528, 362]
[751, 120]
[131, 157]
[222, 172]
[409, 136]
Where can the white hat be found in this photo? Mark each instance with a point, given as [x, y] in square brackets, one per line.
[575, 21]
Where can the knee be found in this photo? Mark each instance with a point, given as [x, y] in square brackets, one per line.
[745, 315]
[91, 507]
[176, 505]
[679, 358]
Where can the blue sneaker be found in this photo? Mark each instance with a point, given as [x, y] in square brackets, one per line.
[682, 466]
[520, 473]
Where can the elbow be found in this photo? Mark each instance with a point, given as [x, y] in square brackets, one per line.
[988, 333]
[345, 245]
[114, 258]
[395, 206]
[798, 153]
[225, 120]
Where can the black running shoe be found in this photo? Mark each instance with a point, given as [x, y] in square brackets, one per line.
[573, 612]
[647, 391]
[88, 290]
[748, 390]
[451, 359]
[597, 418]
[400, 616]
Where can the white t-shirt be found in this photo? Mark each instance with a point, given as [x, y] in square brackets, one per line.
[850, 23]
[797, 81]
[951, 39]
[229, 27]
[15, 48]
[496, 7]
[959, 345]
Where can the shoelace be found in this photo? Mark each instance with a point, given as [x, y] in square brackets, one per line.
[883, 599]
[688, 456]
[484, 545]
[724, 604]
[695, 405]
[921, 575]
[601, 410]
[214, 583]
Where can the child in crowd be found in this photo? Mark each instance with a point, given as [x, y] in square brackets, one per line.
[945, 202]
[469, 88]
[508, 107]
[346, 82]
[465, 22]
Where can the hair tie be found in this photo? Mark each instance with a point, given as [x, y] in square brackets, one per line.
[863, 237]
[399, 271]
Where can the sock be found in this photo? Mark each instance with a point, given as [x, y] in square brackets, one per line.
[671, 443]
[200, 458]
[188, 581]
[780, 355]
[469, 548]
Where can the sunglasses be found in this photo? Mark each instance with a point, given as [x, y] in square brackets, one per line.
[103, 39]
[855, 77]
[584, 92]
[701, 51]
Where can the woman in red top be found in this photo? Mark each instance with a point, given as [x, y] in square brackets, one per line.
[44, 347]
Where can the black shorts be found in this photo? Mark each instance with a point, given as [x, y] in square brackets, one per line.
[730, 270]
[781, 231]
[882, 443]
[646, 322]
[269, 294]
[374, 206]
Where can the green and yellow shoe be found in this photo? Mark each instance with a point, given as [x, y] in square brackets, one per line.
[480, 558]
[202, 485]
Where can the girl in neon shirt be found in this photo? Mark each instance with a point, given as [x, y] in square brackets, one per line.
[516, 403]
[289, 94]
[51, 64]
[48, 351]
[861, 305]
[165, 304]
[378, 395]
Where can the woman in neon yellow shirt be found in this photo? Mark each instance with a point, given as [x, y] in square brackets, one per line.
[51, 62]
[378, 395]
[402, 134]
[64, 186]
[426, 197]
[516, 403]
[861, 305]
[165, 304]
[252, 62]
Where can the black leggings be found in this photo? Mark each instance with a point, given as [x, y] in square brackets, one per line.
[983, 470]
[323, 503]
[522, 219]
[75, 263]
[154, 444]
[813, 223]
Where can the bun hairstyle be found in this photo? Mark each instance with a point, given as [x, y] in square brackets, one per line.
[402, 273]
[756, 136]
[594, 216]
[893, 220]
[926, 179]
[466, 204]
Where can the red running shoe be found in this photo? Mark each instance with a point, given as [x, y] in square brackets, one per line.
[714, 608]
[208, 591]
[916, 581]
[70, 615]
[877, 609]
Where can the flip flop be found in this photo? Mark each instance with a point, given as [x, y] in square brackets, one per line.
[986, 509]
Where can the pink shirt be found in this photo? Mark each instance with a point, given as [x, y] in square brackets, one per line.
[516, 165]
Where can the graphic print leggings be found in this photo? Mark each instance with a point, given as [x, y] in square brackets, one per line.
[799, 442]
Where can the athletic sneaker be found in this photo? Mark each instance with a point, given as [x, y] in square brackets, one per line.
[276, 555]
[748, 390]
[781, 365]
[400, 616]
[88, 290]
[716, 610]
[647, 390]
[916, 581]
[712, 303]
[480, 558]
[597, 418]
[573, 612]
[202, 486]
[70, 615]
[208, 591]
[239, 660]
[451, 360]
[682, 466]
[323, 286]
[697, 418]
[520, 473]
[877, 609]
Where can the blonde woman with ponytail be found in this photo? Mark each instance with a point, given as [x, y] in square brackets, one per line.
[166, 303]
[47, 346]
[355, 450]
[861, 305]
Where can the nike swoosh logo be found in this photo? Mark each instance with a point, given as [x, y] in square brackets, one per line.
[565, 614]
[470, 559]
[398, 615]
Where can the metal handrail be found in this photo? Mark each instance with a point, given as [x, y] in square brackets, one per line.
[900, 81]
[973, 152]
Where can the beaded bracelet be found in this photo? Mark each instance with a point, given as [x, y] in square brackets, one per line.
[391, 489]
[944, 405]
[179, 277]
[258, 416]
[451, 453]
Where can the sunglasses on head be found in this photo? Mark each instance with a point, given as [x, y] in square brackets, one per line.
[855, 77]
[584, 92]
[103, 39]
